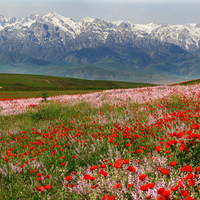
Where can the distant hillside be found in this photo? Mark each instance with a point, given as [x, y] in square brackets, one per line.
[191, 82]
[22, 82]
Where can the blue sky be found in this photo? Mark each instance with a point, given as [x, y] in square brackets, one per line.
[136, 11]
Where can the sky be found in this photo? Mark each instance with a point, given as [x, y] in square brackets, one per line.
[135, 11]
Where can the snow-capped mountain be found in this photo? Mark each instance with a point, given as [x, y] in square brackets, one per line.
[37, 33]
[51, 39]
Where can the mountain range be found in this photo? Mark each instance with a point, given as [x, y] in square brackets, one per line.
[91, 48]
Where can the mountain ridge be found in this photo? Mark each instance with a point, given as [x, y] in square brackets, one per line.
[155, 48]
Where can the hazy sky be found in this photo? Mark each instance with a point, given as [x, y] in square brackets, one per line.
[136, 11]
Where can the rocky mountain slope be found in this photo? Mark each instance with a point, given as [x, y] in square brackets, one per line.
[155, 47]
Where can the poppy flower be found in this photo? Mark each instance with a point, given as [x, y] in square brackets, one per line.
[166, 193]
[40, 188]
[139, 151]
[184, 193]
[160, 168]
[175, 188]
[142, 177]
[120, 160]
[117, 185]
[130, 185]
[111, 197]
[191, 183]
[158, 149]
[144, 188]
[186, 168]
[68, 178]
[40, 178]
[63, 164]
[105, 174]
[47, 176]
[150, 185]
[126, 161]
[39, 174]
[165, 171]
[131, 169]
[160, 190]
[47, 187]
[189, 198]
[93, 168]
[87, 177]
[173, 163]
[117, 165]
[94, 186]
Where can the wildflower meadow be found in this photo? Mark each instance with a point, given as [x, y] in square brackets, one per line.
[123, 144]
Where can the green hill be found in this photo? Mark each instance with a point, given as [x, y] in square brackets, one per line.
[26, 82]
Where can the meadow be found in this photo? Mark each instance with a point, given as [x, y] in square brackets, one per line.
[140, 143]
[15, 86]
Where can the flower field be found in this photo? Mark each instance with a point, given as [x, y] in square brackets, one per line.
[141, 143]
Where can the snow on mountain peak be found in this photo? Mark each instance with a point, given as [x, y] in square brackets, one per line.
[87, 20]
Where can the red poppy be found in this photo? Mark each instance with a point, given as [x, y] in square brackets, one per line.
[63, 164]
[144, 188]
[40, 188]
[142, 177]
[120, 160]
[130, 185]
[47, 187]
[101, 172]
[184, 193]
[39, 174]
[191, 183]
[197, 169]
[94, 186]
[150, 185]
[47, 176]
[117, 185]
[158, 148]
[173, 163]
[93, 168]
[40, 178]
[186, 168]
[92, 178]
[165, 171]
[131, 169]
[189, 198]
[111, 198]
[175, 188]
[68, 178]
[160, 190]
[117, 165]
[139, 151]
[160, 168]
[166, 193]
[105, 174]
[32, 171]
[87, 177]
[126, 161]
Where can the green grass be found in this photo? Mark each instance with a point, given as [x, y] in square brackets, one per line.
[191, 82]
[26, 86]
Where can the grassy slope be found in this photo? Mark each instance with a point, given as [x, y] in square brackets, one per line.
[22, 86]
[196, 81]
